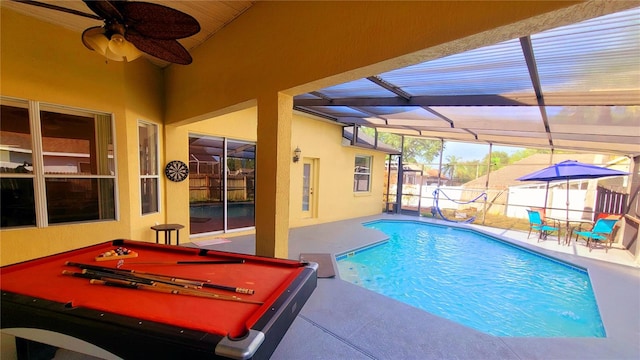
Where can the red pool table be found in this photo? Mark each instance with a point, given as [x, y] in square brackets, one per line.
[41, 304]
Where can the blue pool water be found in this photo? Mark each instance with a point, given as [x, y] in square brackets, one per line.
[477, 281]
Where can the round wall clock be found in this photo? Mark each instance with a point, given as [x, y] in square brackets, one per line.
[176, 170]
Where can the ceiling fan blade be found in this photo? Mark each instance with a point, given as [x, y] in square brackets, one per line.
[167, 50]
[107, 10]
[59, 8]
[157, 21]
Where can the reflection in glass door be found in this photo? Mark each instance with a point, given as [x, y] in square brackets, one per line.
[308, 181]
[240, 184]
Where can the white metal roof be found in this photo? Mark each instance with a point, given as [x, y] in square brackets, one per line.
[575, 87]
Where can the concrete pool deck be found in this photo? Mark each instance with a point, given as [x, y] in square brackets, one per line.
[345, 321]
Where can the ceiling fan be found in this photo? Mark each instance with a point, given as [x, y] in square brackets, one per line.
[132, 27]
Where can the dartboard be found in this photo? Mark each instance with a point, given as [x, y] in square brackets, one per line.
[176, 170]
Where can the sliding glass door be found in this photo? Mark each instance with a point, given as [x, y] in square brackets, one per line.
[221, 184]
[240, 187]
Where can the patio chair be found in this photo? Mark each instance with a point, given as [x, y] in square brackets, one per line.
[602, 231]
[536, 223]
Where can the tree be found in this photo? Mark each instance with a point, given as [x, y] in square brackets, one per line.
[416, 150]
[470, 170]
[524, 153]
[498, 159]
[449, 167]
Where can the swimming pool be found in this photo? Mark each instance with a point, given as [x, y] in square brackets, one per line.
[476, 280]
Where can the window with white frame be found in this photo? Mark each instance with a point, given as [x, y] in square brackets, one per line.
[149, 178]
[362, 174]
[57, 165]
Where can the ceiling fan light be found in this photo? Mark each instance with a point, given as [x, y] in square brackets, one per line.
[120, 48]
[95, 39]
[117, 48]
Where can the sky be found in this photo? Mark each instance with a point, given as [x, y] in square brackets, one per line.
[469, 151]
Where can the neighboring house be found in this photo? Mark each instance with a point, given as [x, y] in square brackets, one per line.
[504, 179]
[433, 177]
[414, 174]
[506, 176]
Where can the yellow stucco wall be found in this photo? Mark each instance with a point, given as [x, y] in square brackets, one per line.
[239, 125]
[43, 62]
[320, 141]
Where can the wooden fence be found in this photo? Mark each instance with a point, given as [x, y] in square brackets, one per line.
[209, 188]
[610, 202]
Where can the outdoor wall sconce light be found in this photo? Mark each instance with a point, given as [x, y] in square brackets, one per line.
[296, 154]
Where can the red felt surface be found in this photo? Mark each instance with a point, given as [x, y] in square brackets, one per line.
[268, 277]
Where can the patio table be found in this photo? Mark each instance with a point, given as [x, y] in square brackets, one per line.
[567, 235]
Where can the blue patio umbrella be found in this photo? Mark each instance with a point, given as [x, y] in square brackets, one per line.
[570, 170]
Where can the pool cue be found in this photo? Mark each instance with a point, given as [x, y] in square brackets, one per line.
[108, 269]
[90, 274]
[165, 290]
[189, 283]
[137, 278]
[96, 274]
[186, 262]
[86, 275]
[195, 282]
[131, 282]
[238, 290]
